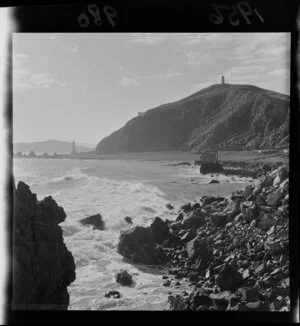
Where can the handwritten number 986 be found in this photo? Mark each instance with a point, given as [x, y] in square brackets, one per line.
[109, 12]
[242, 7]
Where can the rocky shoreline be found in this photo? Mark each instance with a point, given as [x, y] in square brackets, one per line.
[233, 251]
[42, 266]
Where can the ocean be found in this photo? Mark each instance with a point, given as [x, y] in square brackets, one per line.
[116, 189]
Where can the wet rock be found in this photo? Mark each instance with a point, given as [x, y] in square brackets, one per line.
[128, 220]
[113, 293]
[266, 168]
[124, 278]
[176, 303]
[159, 230]
[186, 208]
[137, 245]
[94, 220]
[167, 283]
[218, 219]
[214, 181]
[169, 206]
[207, 200]
[196, 206]
[179, 217]
[228, 279]
[207, 168]
[175, 226]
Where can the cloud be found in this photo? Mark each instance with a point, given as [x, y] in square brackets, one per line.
[170, 74]
[129, 81]
[281, 72]
[24, 78]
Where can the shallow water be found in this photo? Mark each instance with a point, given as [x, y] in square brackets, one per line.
[116, 189]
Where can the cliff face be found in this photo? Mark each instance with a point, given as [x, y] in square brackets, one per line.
[42, 265]
[233, 116]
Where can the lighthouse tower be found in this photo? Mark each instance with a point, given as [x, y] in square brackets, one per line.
[74, 152]
[223, 80]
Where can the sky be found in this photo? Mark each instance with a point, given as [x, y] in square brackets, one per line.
[82, 87]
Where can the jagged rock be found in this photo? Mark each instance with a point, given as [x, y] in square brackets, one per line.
[179, 217]
[196, 248]
[159, 230]
[282, 173]
[186, 208]
[228, 279]
[128, 220]
[248, 190]
[218, 219]
[138, 245]
[43, 267]
[94, 220]
[210, 167]
[176, 226]
[207, 200]
[196, 206]
[124, 278]
[176, 303]
[266, 181]
[195, 219]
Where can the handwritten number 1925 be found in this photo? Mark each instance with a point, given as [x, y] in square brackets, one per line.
[242, 7]
[109, 12]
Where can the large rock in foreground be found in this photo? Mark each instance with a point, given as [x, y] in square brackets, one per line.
[210, 168]
[138, 245]
[42, 265]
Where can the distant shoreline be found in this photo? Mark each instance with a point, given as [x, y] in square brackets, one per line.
[226, 156]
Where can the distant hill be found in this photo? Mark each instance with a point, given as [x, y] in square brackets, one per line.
[49, 146]
[228, 116]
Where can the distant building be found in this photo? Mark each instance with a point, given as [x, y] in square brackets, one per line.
[223, 80]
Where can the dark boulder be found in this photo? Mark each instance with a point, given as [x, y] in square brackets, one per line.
[159, 230]
[94, 220]
[124, 278]
[210, 167]
[138, 245]
[128, 220]
[169, 206]
[214, 181]
[42, 266]
[113, 293]
[186, 208]
[228, 279]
